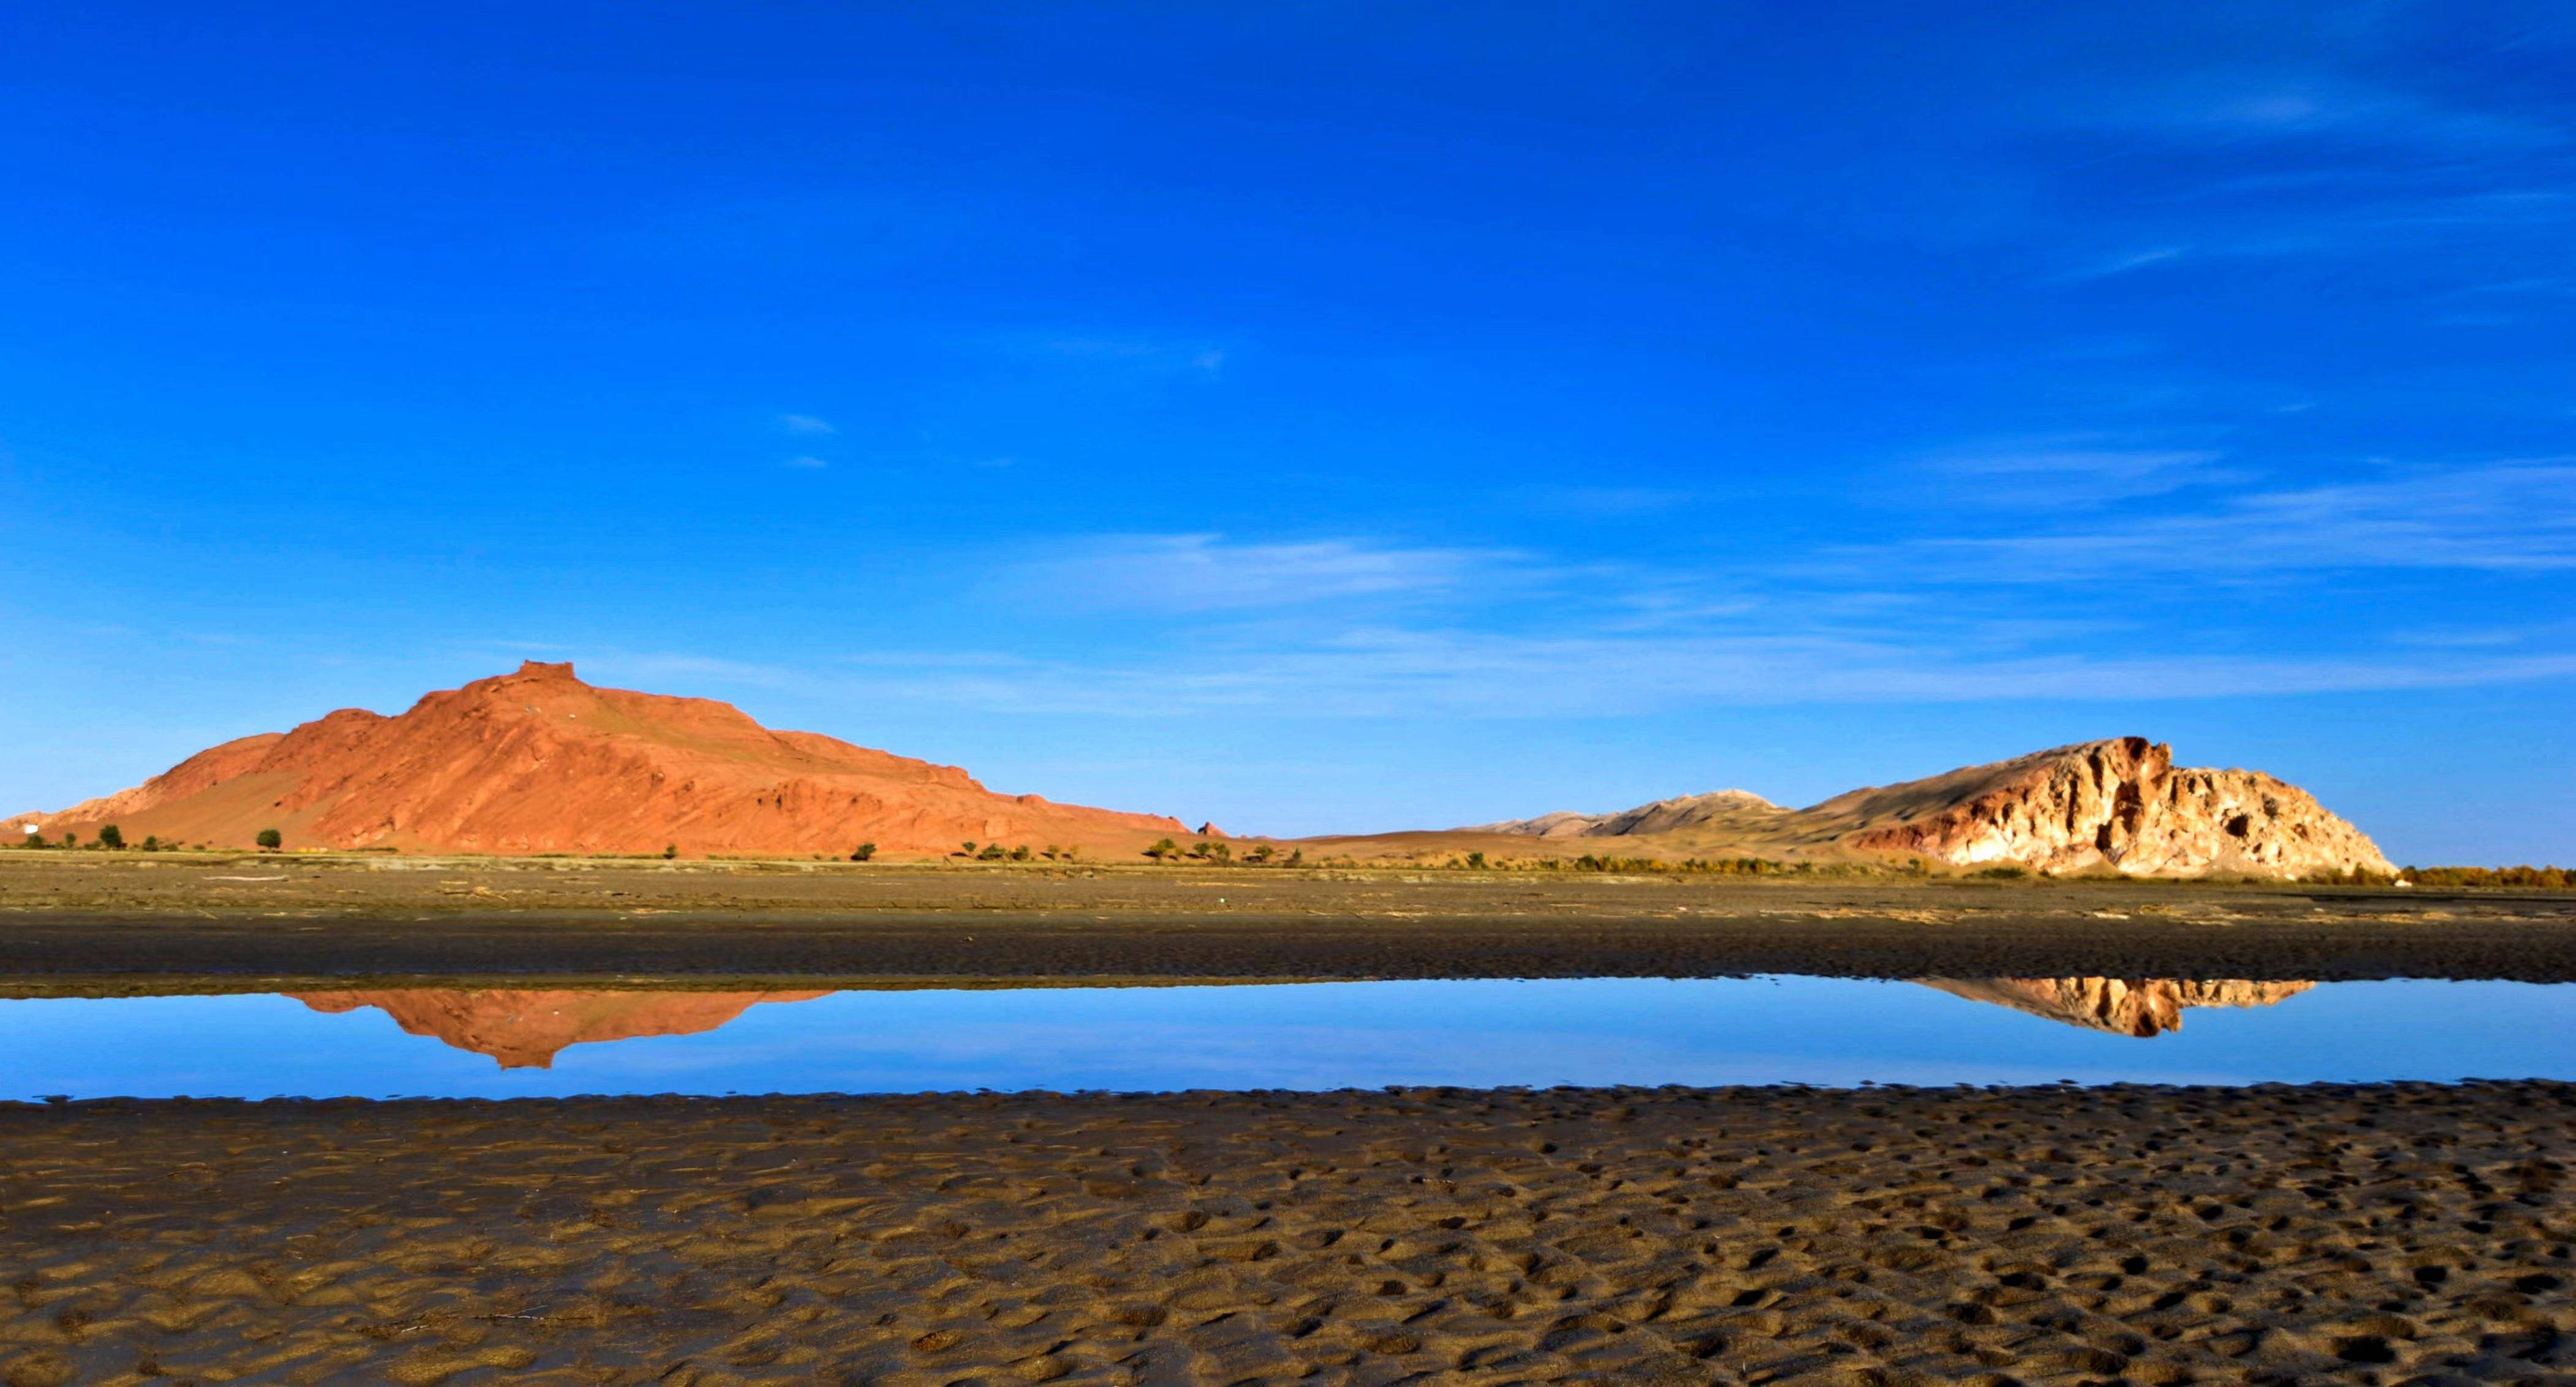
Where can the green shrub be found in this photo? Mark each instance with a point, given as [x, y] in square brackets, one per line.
[110, 836]
[272, 840]
[1020, 853]
[992, 853]
[863, 852]
[669, 851]
[1163, 848]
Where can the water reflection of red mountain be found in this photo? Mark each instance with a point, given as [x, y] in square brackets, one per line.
[527, 1029]
[2125, 1006]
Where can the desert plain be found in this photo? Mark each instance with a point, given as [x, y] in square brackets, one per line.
[2372, 1234]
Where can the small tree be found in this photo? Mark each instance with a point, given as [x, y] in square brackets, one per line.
[270, 839]
[1202, 849]
[1262, 853]
[1297, 858]
[152, 842]
[110, 836]
[969, 845]
[1162, 849]
[993, 852]
[70, 839]
[1476, 860]
[863, 852]
[1020, 853]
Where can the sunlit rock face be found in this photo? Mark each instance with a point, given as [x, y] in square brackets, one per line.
[2139, 1007]
[540, 762]
[2119, 804]
[526, 1030]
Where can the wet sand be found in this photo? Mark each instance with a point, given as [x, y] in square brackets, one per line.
[109, 922]
[2158, 1236]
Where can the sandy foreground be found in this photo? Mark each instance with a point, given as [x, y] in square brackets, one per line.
[2375, 1235]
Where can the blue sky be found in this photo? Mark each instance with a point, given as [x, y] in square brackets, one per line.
[1330, 417]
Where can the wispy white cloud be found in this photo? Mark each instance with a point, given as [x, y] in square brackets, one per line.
[2514, 516]
[2071, 469]
[2126, 262]
[805, 423]
[1143, 353]
[808, 462]
[2322, 104]
[1206, 572]
[1394, 671]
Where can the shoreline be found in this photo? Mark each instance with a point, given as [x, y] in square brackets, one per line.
[50, 950]
[1739, 1236]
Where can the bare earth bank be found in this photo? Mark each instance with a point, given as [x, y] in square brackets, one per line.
[109, 922]
[2159, 1236]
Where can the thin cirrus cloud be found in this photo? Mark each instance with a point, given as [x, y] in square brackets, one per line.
[2072, 469]
[805, 424]
[1394, 671]
[2323, 104]
[2496, 517]
[1137, 352]
[1208, 573]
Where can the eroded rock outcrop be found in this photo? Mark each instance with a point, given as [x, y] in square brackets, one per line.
[538, 761]
[527, 1029]
[2119, 804]
[2139, 1007]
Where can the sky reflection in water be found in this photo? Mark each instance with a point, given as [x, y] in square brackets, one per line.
[1307, 1036]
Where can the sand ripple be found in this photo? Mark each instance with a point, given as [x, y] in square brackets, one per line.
[2375, 1235]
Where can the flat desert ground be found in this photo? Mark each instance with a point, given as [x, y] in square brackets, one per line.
[109, 922]
[2376, 1234]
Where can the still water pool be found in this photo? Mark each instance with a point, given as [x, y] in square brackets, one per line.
[1764, 1030]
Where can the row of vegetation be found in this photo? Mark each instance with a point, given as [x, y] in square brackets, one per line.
[112, 839]
[1209, 850]
[1206, 850]
[2545, 878]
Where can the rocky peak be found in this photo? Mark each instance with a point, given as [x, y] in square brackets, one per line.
[2120, 804]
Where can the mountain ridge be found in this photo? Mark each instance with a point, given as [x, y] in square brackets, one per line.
[538, 761]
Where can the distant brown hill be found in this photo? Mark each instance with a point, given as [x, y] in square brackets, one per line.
[538, 761]
[2115, 805]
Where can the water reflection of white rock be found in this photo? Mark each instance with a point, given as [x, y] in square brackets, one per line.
[2124, 1006]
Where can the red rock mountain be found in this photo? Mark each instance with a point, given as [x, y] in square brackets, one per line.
[527, 1029]
[539, 761]
[2116, 805]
